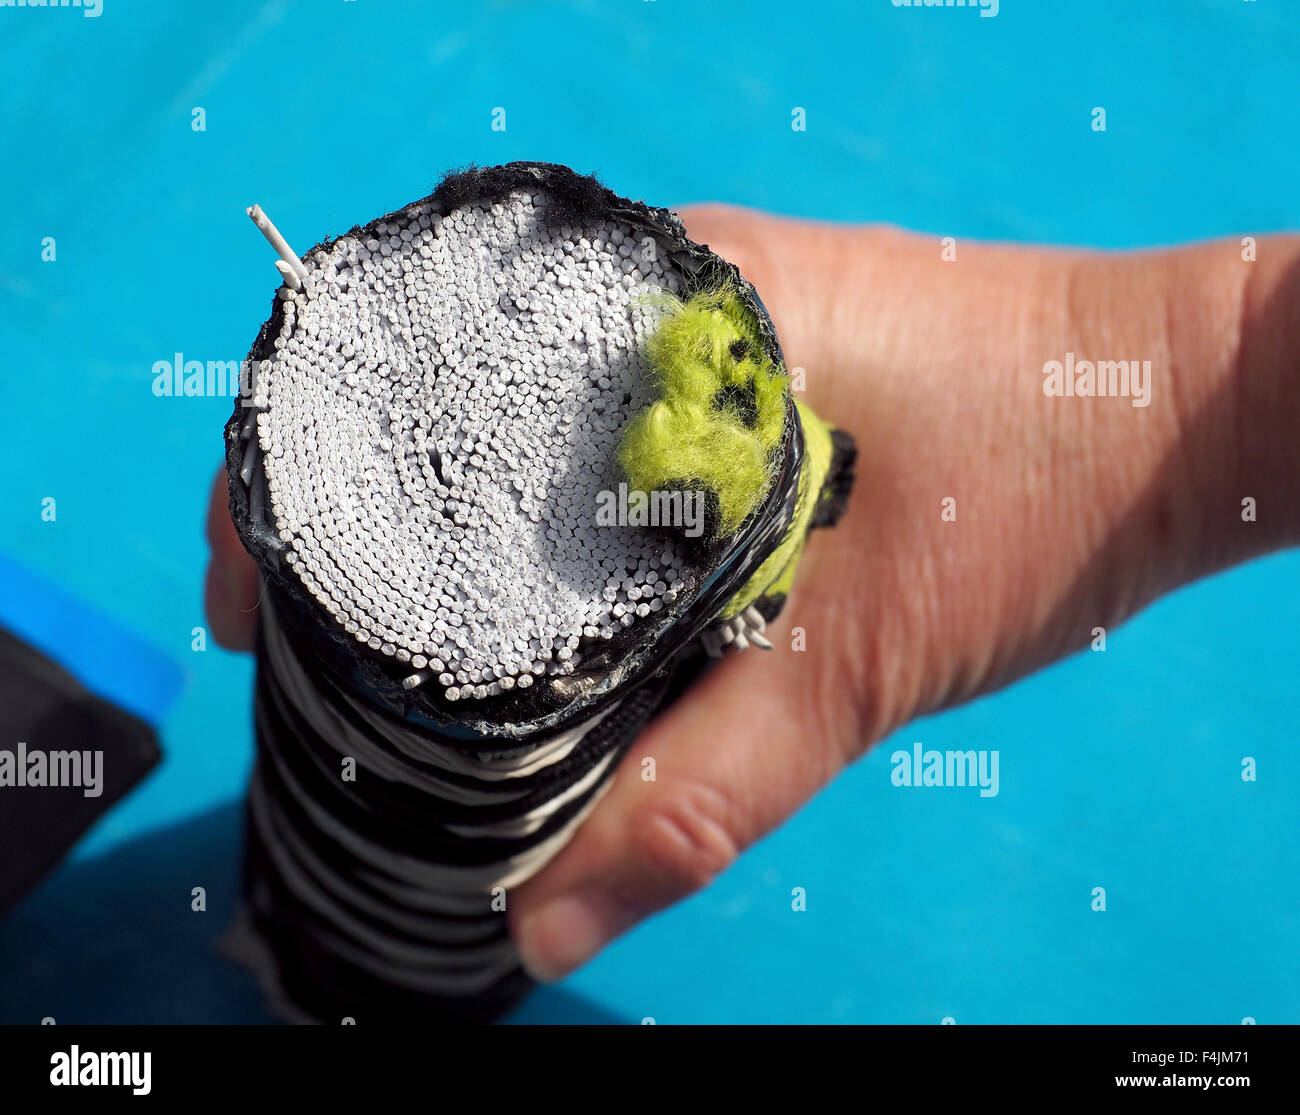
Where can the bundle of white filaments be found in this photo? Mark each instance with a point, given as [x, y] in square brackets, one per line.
[435, 428]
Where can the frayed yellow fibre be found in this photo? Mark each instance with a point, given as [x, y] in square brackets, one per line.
[722, 413]
[776, 575]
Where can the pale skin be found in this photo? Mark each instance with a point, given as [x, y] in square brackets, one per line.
[1070, 514]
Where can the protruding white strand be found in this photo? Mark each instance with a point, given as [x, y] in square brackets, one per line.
[290, 276]
[279, 243]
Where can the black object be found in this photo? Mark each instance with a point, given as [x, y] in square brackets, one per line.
[555, 703]
[342, 875]
[52, 716]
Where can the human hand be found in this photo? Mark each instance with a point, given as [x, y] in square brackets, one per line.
[1071, 513]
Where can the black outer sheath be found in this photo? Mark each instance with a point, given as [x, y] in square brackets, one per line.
[626, 661]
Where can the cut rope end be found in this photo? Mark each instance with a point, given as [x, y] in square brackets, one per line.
[289, 264]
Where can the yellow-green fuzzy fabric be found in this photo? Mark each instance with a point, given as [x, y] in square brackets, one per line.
[775, 576]
[718, 425]
[720, 418]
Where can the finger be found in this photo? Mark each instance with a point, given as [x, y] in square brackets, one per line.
[731, 760]
[231, 588]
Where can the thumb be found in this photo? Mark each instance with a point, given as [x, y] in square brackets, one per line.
[734, 757]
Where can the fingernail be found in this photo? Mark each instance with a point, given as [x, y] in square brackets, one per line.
[564, 934]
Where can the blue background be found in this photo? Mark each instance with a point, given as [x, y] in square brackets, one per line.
[1119, 770]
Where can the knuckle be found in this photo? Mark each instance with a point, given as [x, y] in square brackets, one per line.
[687, 837]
